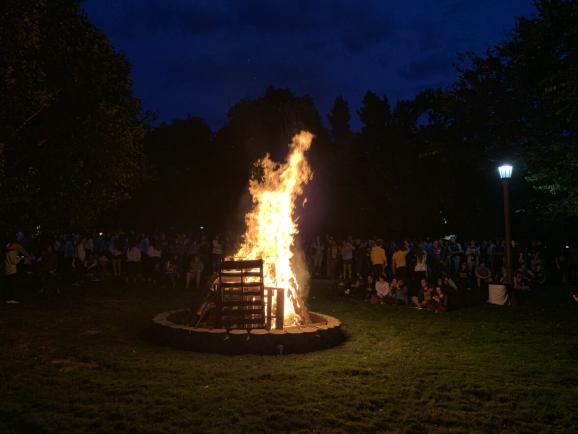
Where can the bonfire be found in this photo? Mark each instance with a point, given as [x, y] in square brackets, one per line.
[272, 225]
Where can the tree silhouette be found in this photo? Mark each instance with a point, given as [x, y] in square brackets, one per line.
[71, 130]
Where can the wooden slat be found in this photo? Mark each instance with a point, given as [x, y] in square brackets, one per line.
[252, 307]
[238, 285]
[241, 284]
[242, 292]
[257, 315]
[280, 311]
[269, 307]
[236, 265]
[239, 289]
[236, 274]
[242, 303]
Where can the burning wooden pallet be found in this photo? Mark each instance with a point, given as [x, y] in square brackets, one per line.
[243, 301]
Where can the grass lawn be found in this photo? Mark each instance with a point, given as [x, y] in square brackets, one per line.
[81, 363]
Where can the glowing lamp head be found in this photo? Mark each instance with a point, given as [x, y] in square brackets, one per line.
[505, 171]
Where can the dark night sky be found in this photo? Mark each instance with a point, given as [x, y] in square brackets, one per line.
[200, 57]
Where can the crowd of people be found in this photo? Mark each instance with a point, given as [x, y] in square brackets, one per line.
[423, 273]
[159, 260]
[419, 273]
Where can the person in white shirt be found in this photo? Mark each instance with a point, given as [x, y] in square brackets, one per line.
[153, 262]
[347, 258]
[116, 258]
[472, 256]
[195, 271]
[382, 288]
[133, 260]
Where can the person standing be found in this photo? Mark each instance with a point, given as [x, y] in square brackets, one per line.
[359, 254]
[435, 259]
[133, 263]
[454, 256]
[48, 267]
[11, 261]
[347, 258]
[378, 259]
[318, 249]
[399, 262]
[195, 271]
[153, 256]
[420, 268]
[69, 252]
[332, 259]
[216, 253]
[79, 262]
[472, 256]
[116, 258]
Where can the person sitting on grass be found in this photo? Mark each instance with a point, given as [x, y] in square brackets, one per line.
[439, 301]
[428, 293]
[382, 289]
[465, 277]
[401, 292]
[448, 283]
[417, 299]
[525, 278]
[539, 276]
[394, 286]
[521, 281]
[356, 286]
[171, 271]
[369, 286]
[483, 275]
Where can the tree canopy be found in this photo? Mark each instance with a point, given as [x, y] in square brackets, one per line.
[72, 135]
[70, 128]
[520, 101]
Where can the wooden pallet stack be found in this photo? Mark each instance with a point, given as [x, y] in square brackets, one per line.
[241, 300]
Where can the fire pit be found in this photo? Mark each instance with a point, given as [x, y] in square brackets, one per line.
[173, 328]
[253, 304]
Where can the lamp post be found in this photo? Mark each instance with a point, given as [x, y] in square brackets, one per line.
[505, 171]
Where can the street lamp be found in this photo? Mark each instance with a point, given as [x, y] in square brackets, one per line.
[505, 171]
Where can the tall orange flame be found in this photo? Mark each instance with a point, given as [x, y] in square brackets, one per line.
[271, 226]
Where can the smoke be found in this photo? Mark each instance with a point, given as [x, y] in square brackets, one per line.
[299, 263]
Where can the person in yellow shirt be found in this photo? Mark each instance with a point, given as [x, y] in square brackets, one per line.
[378, 259]
[399, 262]
[11, 261]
